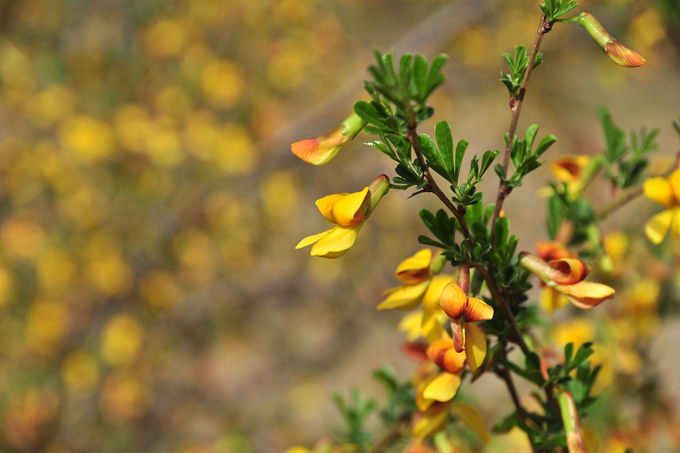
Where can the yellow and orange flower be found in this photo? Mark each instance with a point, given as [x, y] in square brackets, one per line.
[619, 54]
[422, 287]
[349, 212]
[666, 192]
[465, 311]
[320, 150]
[566, 276]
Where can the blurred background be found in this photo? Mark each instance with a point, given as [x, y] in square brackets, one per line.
[150, 296]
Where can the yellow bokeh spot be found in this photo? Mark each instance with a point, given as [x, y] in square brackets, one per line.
[87, 139]
[286, 69]
[81, 371]
[106, 269]
[22, 238]
[164, 39]
[121, 340]
[123, 397]
[159, 289]
[53, 103]
[222, 83]
[280, 192]
[56, 270]
[235, 153]
[45, 326]
[577, 331]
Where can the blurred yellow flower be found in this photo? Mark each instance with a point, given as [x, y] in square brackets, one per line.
[121, 340]
[578, 331]
[81, 371]
[46, 326]
[164, 39]
[222, 83]
[123, 397]
[87, 138]
[159, 289]
[666, 192]
[22, 238]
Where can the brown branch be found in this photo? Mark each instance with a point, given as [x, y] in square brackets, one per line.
[630, 194]
[460, 217]
[393, 435]
[516, 107]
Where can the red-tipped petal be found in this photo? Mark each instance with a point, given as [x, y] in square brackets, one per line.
[568, 271]
[477, 310]
[453, 301]
[623, 55]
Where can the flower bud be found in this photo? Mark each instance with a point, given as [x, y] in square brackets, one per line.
[619, 53]
[319, 150]
[572, 426]
[376, 190]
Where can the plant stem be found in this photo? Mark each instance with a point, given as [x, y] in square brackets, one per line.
[516, 106]
[460, 217]
[630, 194]
[393, 435]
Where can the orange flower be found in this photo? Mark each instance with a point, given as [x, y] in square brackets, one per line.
[464, 311]
[566, 276]
[319, 150]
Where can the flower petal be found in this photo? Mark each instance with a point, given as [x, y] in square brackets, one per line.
[416, 268]
[624, 55]
[453, 361]
[453, 301]
[586, 294]
[338, 241]
[319, 150]
[443, 388]
[567, 271]
[434, 291]
[552, 300]
[674, 180]
[325, 205]
[660, 190]
[411, 324]
[657, 227]
[477, 310]
[469, 415]
[431, 421]
[458, 334]
[406, 297]
[350, 209]
[430, 327]
[475, 348]
[309, 240]
[568, 168]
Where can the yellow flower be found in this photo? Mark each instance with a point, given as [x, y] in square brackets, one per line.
[666, 192]
[348, 212]
[319, 150]
[465, 311]
[568, 168]
[566, 275]
[422, 286]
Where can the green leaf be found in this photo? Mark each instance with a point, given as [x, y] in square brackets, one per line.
[434, 158]
[420, 76]
[461, 148]
[615, 138]
[501, 232]
[545, 144]
[554, 216]
[442, 133]
[369, 113]
[506, 424]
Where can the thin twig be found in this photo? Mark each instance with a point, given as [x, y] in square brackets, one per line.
[393, 435]
[516, 106]
[630, 194]
[460, 217]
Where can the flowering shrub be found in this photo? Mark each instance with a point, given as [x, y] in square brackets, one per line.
[480, 321]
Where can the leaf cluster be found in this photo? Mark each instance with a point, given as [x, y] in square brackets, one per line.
[575, 375]
[524, 157]
[355, 411]
[446, 159]
[553, 9]
[518, 65]
[625, 160]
